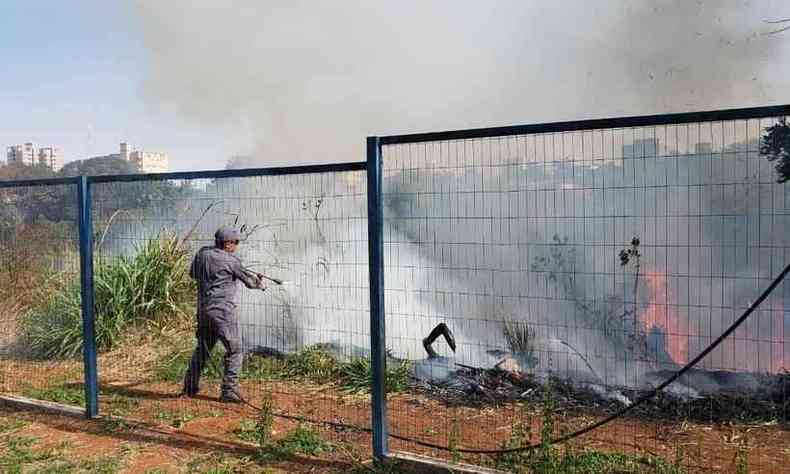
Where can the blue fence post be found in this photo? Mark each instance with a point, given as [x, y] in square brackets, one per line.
[378, 352]
[86, 286]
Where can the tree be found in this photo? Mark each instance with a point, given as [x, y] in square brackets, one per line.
[97, 167]
[775, 146]
[31, 203]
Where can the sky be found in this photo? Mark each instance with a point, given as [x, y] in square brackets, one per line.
[289, 82]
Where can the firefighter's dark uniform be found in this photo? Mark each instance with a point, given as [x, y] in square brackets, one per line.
[217, 273]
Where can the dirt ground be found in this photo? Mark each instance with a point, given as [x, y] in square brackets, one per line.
[164, 433]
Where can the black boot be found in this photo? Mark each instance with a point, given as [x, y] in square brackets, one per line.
[230, 396]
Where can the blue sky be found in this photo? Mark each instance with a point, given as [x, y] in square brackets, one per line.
[72, 75]
[293, 81]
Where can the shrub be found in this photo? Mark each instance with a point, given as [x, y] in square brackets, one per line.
[153, 286]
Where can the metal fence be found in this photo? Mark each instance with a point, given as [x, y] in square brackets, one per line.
[38, 245]
[579, 265]
[520, 284]
[305, 227]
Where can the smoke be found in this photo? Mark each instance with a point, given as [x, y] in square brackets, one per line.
[680, 55]
[291, 82]
[301, 81]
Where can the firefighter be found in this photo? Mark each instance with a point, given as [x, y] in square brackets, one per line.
[217, 271]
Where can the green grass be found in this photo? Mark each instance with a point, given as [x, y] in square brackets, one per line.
[18, 455]
[174, 418]
[247, 431]
[312, 364]
[553, 460]
[152, 287]
[224, 464]
[9, 425]
[547, 458]
[357, 376]
[65, 394]
[303, 440]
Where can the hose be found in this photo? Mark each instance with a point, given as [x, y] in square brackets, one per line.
[579, 432]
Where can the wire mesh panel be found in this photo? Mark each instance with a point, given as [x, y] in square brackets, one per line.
[305, 339]
[539, 282]
[40, 318]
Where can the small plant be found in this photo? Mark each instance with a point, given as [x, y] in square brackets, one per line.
[66, 394]
[313, 363]
[175, 419]
[303, 440]
[742, 458]
[220, 464]
[546, 454]
[113, 424]
[357, 376]
[520, 437]
[631, 255]
[9, 425]
[246, 431]
[453, 439]
[264, 424]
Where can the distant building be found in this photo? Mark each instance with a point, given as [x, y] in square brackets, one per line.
[144, 161]
[51, 157]
[150, 161]
[27, 154]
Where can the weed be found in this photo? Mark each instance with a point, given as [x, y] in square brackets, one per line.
[265, 422]
[303, 440]
[119, 405]
[9, 425]
[220, 464]
[18, 453]
[452, 440]
[520, 338]
[66, 394]
[175, 419]
[313, 363]
[547, 458]
[246, 431]
[357, 376]
[112, 424]
[520, 436]
[742, 458]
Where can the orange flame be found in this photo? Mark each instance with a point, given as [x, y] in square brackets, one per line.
[659, 314]
[778, 343]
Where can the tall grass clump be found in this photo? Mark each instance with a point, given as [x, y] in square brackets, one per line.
[357, 375]
[150, 287]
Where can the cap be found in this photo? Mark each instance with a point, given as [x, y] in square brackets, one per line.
[227, 234]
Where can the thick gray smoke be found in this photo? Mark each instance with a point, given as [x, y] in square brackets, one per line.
[294, 82]
[306, 81]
